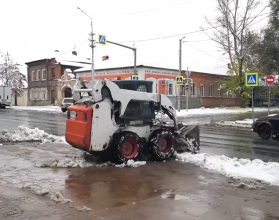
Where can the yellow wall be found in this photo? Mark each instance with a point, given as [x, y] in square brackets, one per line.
[22, 100]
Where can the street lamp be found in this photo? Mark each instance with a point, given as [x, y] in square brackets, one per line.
[92, 47]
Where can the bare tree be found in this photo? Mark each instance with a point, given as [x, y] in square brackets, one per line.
[231, 32]
[10, 75]
[232, 29]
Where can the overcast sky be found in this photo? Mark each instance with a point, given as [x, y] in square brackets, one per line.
[32, 30]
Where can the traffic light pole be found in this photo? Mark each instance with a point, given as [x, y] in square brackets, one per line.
[187, 88]
[179, 87]
[135, 54]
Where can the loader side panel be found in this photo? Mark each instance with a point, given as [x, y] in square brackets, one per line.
[78, 126]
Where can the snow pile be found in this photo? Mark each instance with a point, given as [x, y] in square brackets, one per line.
[131, 163]
[213, 111]
[24, 133]
[50, 109]
[267, 172]
[85, 160]
[246, 123]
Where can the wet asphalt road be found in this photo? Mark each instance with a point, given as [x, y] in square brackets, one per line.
[156, 191]
[232, 142]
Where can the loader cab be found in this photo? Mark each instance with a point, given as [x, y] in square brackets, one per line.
[138, 112]
[135, 85]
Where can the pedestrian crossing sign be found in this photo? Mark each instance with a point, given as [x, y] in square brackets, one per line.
[135, 77]
[252, 79]
[179, 80]
[102, 39]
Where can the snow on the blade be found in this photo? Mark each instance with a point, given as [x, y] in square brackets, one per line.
[24, 133]
[256, 169]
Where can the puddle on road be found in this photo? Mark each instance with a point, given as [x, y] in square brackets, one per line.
[106, 187]
[252, 213]
[171, 195]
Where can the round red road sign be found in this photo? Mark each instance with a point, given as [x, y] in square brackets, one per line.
[270, 79]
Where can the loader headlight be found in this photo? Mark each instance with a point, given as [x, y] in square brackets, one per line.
[72, 115]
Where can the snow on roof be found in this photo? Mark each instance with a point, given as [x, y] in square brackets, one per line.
[69, 63]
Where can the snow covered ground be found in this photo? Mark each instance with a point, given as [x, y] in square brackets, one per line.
[50, 108]
[246, 123]
[182, 113]
[236, 168]
[256, 169]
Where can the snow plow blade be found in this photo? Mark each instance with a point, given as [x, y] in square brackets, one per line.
[187, 138]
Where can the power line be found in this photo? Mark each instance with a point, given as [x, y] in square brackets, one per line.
[193, 32]
[72, 48]
[151, 10]
[206, 53]
[159, 38]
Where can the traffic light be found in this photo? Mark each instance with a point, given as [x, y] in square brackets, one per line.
[186, 86]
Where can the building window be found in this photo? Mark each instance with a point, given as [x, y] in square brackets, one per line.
[43, 74]
[219, 92]
[193, 89]
[211, 90]
[202, 90]
[38, 75]
[170, 89]
[53, 73]
[33, 76]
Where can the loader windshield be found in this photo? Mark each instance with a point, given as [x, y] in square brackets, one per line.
[140, 110]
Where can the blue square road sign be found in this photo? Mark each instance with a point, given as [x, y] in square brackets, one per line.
[135, 77]
[251, 79]
[102, 39]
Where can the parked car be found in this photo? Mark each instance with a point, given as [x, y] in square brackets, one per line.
[66, 103]
[267, 126]
[273, 103]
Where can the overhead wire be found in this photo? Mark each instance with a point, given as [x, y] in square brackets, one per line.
[205, 53]
[192, 32]
[151, 10]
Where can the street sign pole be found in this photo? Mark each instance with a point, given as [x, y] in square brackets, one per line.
[269, 80]
[268, 99]
[253, 115]
[252, 80]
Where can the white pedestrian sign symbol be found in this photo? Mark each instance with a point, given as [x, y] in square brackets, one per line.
[251, 80]
[102, 39]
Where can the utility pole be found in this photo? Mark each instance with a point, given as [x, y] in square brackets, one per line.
[92, 45]
[187, 93]
[135, 54]
[179, 87]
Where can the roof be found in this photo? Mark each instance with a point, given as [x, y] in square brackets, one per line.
[63, 57]
[88, 68]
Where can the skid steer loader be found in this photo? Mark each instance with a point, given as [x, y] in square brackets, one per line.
[124, 120]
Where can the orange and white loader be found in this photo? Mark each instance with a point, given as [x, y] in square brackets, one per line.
[121, 121]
